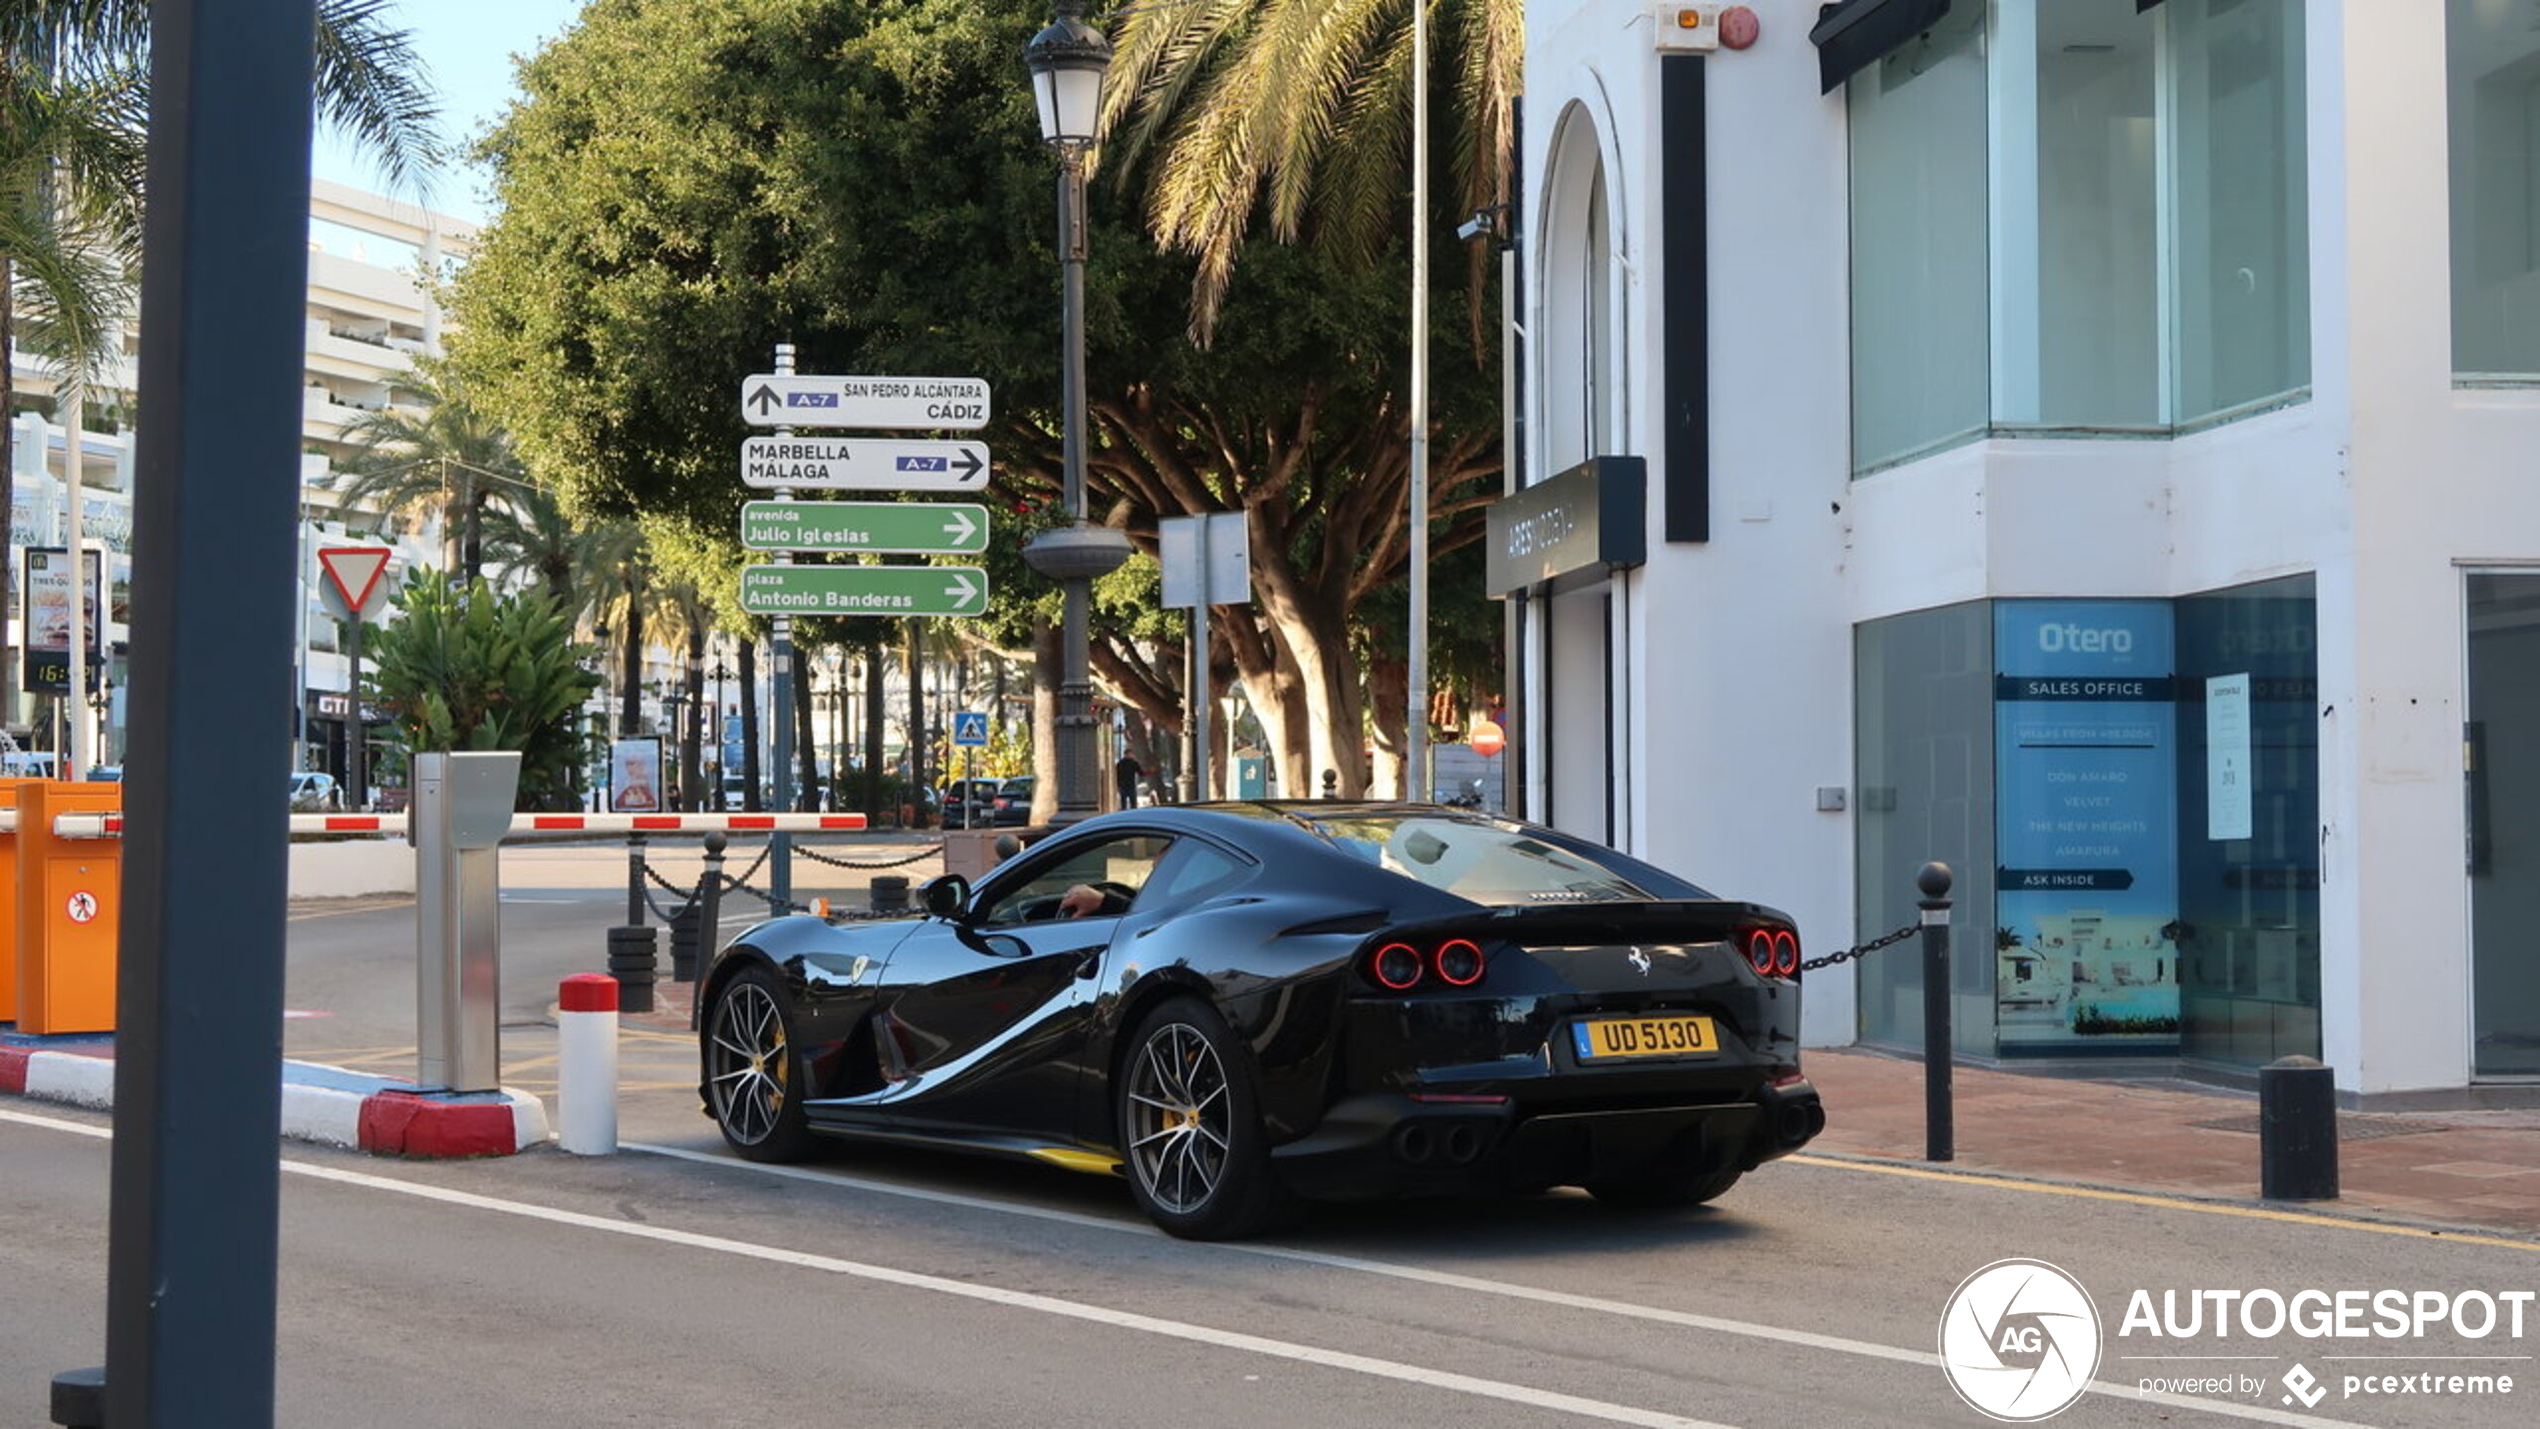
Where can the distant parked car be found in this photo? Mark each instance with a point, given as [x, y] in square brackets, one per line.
[969, 803]
[315, 793]
[105, 774]
[1013, 802]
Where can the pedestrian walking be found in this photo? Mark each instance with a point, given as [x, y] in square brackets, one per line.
[1125, 776]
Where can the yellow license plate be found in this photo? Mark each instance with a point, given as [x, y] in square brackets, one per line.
[1606, 1038]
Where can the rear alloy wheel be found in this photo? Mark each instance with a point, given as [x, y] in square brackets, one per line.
[1665, 1191]
[1190, 1128]
[753, 1078]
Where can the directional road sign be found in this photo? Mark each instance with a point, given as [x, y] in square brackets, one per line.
[891, 404]
[970, 728]
[898, 528]
[864, 590]
[864, 464]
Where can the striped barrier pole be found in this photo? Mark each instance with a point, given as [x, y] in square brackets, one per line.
[586, 1065]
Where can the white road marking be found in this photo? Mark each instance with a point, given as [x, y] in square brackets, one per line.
[1474, 1285]
[1526, 1395]
[1281, 1349]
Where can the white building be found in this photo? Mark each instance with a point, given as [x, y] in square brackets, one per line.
[2085, 441]
[371, 312]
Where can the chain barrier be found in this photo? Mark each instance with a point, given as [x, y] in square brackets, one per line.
[816, 856]
[1847, 955]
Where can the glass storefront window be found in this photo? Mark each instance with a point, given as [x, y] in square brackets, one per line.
[2503, 807]
[2494, 80]
[2129, 793]
[2240, 234]
[1923, 743]
[1919, 314]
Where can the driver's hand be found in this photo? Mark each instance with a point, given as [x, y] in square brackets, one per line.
[1080, 900]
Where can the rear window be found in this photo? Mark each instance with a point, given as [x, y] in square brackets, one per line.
[1497, 863]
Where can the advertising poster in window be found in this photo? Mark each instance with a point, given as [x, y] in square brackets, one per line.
[635, 776]
[2086, 908]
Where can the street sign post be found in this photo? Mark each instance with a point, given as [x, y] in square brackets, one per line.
[864, 590]
[797, 463]
[883, 527]
[891, 404]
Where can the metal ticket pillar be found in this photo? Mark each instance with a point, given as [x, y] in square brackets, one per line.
[462, 809]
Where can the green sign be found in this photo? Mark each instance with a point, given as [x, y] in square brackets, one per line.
[864, 590]
[889, 527]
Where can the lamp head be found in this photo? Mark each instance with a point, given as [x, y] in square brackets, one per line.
[1067, 61]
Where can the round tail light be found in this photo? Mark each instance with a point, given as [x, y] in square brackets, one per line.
[1785, 953]
[1397, 966]
[1459, 962]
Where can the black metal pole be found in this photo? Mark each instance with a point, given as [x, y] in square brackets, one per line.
[1076, 769]
[1939, 1121]
[359, 767]
[195, 1210]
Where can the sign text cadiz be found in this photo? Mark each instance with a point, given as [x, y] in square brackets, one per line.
[864, 590]
[863, 464]
[885, 527]
[892, 404]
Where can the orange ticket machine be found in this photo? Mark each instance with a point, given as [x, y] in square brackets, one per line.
[69, 897]
[9, 899]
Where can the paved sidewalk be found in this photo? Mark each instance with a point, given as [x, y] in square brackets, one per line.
[2464, 1168]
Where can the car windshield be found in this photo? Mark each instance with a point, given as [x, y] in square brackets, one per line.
[1488, 862]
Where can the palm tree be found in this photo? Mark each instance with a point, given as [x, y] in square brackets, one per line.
[74, 101]
[433, 451]
[1302, 106]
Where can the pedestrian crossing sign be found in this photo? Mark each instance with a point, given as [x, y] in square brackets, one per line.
[970, 728]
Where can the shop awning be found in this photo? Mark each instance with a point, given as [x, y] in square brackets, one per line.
[1852, 35]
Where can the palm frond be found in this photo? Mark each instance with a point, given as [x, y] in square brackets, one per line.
[373, 86]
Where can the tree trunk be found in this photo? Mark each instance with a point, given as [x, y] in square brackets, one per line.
[750, 799]
[692, 788]
[873, 733]
[806, 742]
[9, 471]
[1389, 696]
[1045, 672]
[913, 667]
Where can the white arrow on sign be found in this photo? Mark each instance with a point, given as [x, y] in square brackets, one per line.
[863, 464]
[962, 590]
[960, 527]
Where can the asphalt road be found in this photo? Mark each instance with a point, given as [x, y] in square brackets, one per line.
[673, 1285]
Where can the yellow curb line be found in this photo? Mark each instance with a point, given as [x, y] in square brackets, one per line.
[2175, 1203]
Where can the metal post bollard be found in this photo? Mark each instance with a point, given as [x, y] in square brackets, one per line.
[1331, 783]
[631, 962]
[709, 914]
[890, 893]
[2297, 1130]
[586, 1065]
[79, 1398]
[635, 880]
[1940, 1132]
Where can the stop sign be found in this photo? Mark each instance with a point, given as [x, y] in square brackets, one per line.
[1488, 738]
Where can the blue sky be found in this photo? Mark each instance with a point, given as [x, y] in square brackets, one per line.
[468, 45]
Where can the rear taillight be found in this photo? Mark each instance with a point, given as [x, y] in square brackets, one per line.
[1400, 967]
[1773, 951]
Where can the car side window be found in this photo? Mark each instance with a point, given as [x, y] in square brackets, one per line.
[1116, 869]
[1191, 872]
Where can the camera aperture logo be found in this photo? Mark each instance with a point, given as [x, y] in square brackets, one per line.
[2019, 1340]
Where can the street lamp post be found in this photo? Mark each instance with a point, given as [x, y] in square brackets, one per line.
[1067, 61]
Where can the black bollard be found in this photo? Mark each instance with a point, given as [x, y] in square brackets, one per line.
[890, 893]
[631, 963]
[1940, 1130]
[1331, 783]
[2297, 1130]
[79, 1398]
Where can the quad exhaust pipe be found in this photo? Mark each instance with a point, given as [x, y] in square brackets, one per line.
[1454, 1143]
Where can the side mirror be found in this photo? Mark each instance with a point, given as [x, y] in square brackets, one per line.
[946, 896]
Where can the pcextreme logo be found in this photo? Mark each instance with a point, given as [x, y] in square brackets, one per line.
[2019, 1340]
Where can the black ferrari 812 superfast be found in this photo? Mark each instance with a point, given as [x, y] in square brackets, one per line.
[1237, 1007]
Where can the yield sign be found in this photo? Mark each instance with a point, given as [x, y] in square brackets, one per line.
[354, 572]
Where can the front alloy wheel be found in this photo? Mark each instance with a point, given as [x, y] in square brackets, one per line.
[1190, 1128]
[751, 1074]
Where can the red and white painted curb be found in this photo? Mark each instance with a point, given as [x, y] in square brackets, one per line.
[386, 1121]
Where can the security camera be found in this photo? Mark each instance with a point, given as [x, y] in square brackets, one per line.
[1483, 224]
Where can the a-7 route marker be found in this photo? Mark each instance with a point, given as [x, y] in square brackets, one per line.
[896, 528]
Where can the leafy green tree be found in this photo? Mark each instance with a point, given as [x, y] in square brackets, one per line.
[435, 451]
[469, 669]
[685, 184]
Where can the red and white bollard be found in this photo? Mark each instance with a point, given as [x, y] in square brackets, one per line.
[586, 1065]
